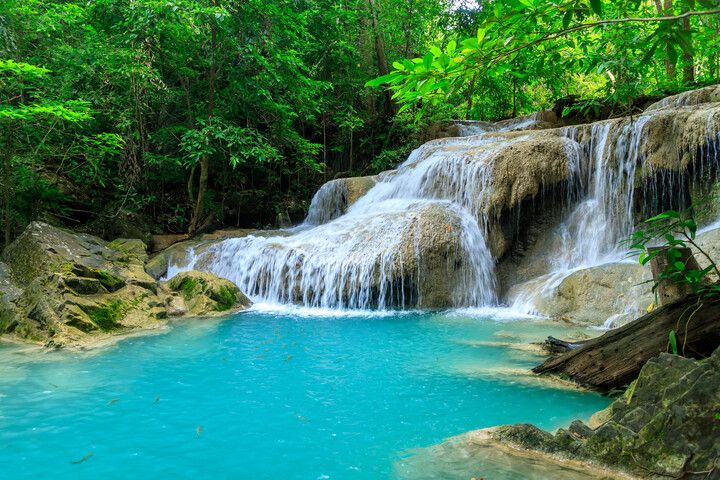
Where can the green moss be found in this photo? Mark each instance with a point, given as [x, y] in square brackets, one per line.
[225, 298]
[107, 315]
[188, 287]
[109, 281]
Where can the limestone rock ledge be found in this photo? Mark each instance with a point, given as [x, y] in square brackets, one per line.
[61, 289]
[666, 425]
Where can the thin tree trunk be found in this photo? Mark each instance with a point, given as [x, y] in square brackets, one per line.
[664, 7]
[351, 149]
[688, 59]
[382, 62]
[205, 159]
[7, 157]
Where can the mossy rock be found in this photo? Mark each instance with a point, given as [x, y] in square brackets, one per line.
[206, 294]
[67, 289]
[669, 424]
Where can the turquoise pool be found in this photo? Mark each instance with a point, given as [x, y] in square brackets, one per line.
[276, 395]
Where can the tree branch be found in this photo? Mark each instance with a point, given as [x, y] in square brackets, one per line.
[584, 26]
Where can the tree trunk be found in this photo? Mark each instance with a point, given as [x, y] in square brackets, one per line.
[382, 62]
[205, 159]
[614, 359]
[665, 8]
[688, 59]
[7, 158]
[668, 291]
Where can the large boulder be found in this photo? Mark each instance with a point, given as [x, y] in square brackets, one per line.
[611, 294]
[71, 289]
[205, 294]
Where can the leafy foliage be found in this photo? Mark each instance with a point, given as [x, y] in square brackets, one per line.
[130, 97]
[666, 234]
[528, 51]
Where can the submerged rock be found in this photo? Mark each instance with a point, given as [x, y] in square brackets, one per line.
[666, 424]
[205, 294]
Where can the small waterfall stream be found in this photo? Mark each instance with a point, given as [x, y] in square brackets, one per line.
[592, 232]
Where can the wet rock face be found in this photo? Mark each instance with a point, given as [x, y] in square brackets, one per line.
[709, 94]
[410, 255]
[63, 289]
[205, 294]
[336, 196]
[615, 293]
[665, 425]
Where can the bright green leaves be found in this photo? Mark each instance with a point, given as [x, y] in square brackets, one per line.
[241, 145]
[18, 77]
[70, 111]
[558, 44]
[19, 69]
[672, 234]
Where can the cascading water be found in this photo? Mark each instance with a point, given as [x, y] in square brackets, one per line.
[327, 203]
[592, 232]
[420, 236]
[420, 230]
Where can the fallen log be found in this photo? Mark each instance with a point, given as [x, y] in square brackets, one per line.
[614, 359]
[555, 345]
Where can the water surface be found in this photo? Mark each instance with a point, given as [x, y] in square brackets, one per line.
[273, 395]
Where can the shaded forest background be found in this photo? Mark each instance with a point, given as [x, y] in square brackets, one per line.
[131, 117]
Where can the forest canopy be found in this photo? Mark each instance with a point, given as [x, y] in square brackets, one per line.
[129, 117]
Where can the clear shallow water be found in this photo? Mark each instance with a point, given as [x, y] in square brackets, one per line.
[272, 395]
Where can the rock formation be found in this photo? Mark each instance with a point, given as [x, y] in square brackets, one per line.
[666, 425]
[204, 294]
[65, 289]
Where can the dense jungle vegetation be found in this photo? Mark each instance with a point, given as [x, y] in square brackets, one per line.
[129, 117]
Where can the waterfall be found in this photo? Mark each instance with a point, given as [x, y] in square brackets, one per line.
[418, 231]
[327, 203]
[421, 236]
[592, 232]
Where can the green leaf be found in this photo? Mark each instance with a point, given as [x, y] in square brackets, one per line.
[567, 18]
[428, 60]
[596, 6]
[679, 266]
[649, 55]
[672, 339]
[664, 216]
